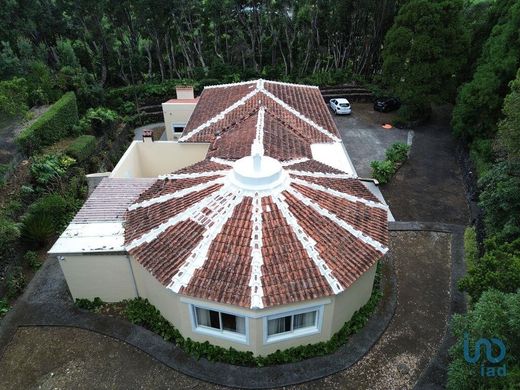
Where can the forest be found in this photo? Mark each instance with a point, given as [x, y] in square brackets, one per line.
[103, 61]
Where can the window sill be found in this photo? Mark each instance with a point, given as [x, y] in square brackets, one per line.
[292, 335]
[236, 337]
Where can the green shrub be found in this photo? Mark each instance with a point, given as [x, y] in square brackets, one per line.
[101, 120]
[382, 171]
[481, 154]
[9, 234]
[495, 315]
[87, 304]
[397, 152]
[4, 307]
[470, 247]
[498, 269]
[500, 200]
[51, 127]
[140, 312]
[31, 259]
[37, 231]
[46, 218]
[14, 282]
[13, 97]
[50, 167]
[82, 148]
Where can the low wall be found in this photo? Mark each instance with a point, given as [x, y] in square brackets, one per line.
[151, 159]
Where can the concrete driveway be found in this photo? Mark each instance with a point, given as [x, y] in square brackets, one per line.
[364, 137]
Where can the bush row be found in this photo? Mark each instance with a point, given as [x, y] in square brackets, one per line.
[82, 148]
[51, 127]
[141, 312]
[396, 155]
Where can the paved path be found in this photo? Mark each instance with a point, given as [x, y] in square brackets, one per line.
[422, 264]
[139, 131]
[364, 138]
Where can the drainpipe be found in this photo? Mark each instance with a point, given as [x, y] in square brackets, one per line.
[133, 276]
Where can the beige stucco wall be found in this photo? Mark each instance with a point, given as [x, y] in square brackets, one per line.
[177, 114]
[352, 299]
[117, 277]
[176, 308]
[151, 159]
[108, 277]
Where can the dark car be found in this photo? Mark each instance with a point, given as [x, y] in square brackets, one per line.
[386, 104]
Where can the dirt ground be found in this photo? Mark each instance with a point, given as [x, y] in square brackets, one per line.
[10, 129]
[64, 358]
[429, 186]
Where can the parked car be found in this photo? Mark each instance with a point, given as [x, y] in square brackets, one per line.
[386, 104]
[340, 106]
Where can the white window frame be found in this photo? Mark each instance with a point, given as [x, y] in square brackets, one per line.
[220, 333]
[294, 333]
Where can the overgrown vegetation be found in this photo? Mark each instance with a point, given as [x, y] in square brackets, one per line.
[82, 148]
[495, 315]
[52, 126]
[140, 312]
[423, 54]
[396, 155]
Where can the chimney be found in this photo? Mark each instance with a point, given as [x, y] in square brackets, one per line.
[147, 135]
[184, 92]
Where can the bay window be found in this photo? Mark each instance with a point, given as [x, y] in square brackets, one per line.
[293, 324]
[220, 324]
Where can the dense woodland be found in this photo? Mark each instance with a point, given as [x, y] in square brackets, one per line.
[117, 56]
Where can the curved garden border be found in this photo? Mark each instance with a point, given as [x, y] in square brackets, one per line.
[47, 302]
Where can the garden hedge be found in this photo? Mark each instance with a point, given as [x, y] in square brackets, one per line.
[51, 127]
[82, 148]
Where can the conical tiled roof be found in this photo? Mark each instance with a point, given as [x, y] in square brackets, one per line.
[258, 223]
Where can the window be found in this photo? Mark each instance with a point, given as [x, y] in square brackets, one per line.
[178, 129]
[298, 323]
[220, 324]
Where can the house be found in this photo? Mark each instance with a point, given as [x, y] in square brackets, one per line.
[177, 112]
[268, 241]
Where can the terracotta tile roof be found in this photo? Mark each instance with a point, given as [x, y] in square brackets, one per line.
[347, 186]
[347, 256]
[308, 101]
[224, 277]
[288, 274]
[213, 101]
[109, 201]
[317, 246]
[203, 232]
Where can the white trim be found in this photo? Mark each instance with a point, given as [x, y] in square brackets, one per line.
[223, 334]
[194, 175]
[338, 221]
[260, 127]
[321, 174]
[255, 282]
[316, 329]
[340, 194]
[230, 84]
[308, 244]
[222, 206]
[186, 214]
[253, 313]
[176, 194]
[219, 160]
[300, 115]
[220, 115]
[295, 161]
[292, 84]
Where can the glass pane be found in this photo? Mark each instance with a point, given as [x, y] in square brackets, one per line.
[305, 320]
[233, 323]
[279, 325]
[229, 322]
[202, 317]
[214, 319]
